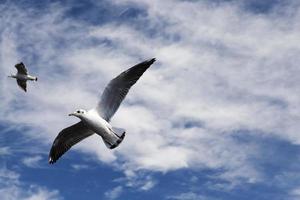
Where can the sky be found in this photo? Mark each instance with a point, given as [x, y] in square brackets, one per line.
[215, 117]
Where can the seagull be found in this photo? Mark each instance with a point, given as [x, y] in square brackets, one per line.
[97, 119]
[22, 76]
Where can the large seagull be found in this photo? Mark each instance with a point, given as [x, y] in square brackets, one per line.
[97, 119]
[22, 76]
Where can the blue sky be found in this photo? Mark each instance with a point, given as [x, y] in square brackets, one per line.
[216, 117]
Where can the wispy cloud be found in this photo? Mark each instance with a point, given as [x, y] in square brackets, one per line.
[220, 70]
[140, 180]
[190, 196]
[5, 151]
[115, 193]
[12, 188]
[79, 166]
[32, 161]
[148, 185]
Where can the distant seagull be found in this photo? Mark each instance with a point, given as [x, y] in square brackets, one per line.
[97, 119]
[22, 76]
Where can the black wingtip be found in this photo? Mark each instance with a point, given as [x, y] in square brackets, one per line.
[151, 61]
[51, 161]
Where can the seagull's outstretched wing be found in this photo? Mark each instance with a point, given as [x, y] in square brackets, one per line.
[117, 89]
[21, 68]
[66, 139]
[22, 84]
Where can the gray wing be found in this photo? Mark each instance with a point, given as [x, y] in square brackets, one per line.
[66, 139]
[117, 89]
[22, 84]
[21, 68]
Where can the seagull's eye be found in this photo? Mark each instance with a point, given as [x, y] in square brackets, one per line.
[78, 111]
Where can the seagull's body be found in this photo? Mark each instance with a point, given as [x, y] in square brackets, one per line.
[22, 76]
[101, 127]
[97, 119]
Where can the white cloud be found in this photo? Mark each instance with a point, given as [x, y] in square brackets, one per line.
[12, 188]
[137, 179]
[5, 151]
[115, 193]
[189, 196]
[32, 161]
[148, 185]
[217, 66]
[295, 193]
[79, 166]
[42, 194]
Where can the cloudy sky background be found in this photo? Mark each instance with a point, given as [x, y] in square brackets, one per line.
[216, 117]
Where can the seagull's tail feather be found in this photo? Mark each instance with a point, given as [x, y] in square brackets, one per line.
[36, 78]
[120, 133]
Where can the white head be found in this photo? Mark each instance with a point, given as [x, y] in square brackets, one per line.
[78, 113]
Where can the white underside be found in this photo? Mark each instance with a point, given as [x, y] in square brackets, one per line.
[101, 127]
[24, 77]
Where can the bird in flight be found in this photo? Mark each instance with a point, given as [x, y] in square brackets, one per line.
[97, 119]
[22, 76]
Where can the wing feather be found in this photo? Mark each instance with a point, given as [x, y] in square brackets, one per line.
[21, 68]
[22, 84]
[117, 89]
[67, 138]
